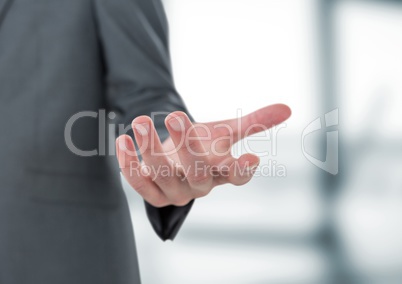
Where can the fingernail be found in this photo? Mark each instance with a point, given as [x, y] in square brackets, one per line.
[176, 123]
[142, 129]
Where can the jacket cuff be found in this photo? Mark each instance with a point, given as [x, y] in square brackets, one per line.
[166, 221]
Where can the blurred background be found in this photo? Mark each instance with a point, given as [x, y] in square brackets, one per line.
[338, 65]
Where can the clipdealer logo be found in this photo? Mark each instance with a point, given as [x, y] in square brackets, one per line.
[330, 164]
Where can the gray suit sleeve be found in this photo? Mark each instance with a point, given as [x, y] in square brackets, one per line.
[134, 39]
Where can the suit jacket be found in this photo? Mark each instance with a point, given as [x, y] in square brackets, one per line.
[63, 217]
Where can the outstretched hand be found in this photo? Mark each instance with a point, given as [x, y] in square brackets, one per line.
[194, 159]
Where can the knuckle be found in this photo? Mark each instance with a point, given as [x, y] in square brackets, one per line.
[163, 180]
[240, 181]
[191, 145]
[159, 202]
[201, 193]
[180, 197]
[140, 187]
[221, 181]
[199, 180]
[180, 201]
[255, 117]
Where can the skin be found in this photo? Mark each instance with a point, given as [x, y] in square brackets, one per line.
[207, 145]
